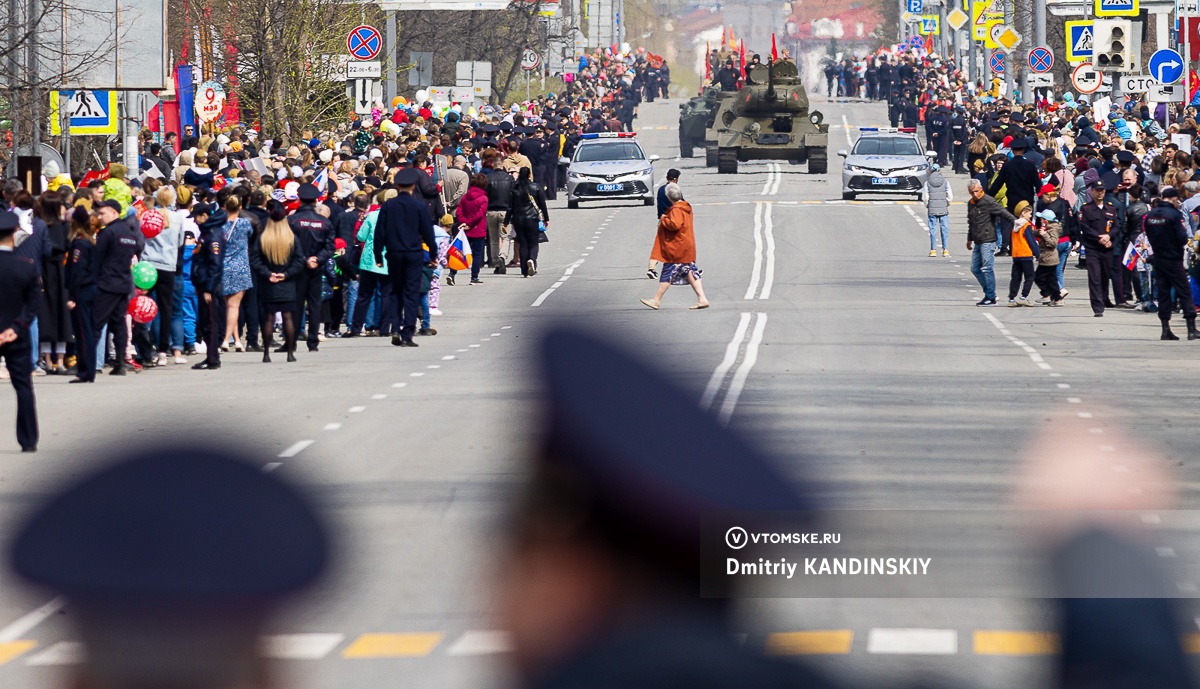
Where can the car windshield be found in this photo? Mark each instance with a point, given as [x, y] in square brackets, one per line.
[616, 150]
[886, 146]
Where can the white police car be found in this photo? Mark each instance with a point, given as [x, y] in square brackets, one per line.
[610, 165]
[886, 161]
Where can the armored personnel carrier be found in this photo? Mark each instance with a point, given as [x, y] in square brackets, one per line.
[695, 117]
[771, 121]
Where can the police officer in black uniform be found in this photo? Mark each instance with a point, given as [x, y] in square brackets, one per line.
[601, 586]
[1167, 229]
[1096, 220]
[20, 299]
[174, 561]
[958, 140]
[937, 124]
[208, 270]
[116, 246]
[316, 236]
[403, 225]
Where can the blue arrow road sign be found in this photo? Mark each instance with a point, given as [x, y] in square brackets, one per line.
[1166, 66]
[916, 6]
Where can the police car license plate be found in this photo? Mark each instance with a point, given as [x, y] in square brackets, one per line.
[890, 181]
[609, 187]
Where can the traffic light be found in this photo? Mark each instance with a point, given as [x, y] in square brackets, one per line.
[1115, 46]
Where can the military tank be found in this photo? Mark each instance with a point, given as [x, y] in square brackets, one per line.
[695, 116]
[771, 121]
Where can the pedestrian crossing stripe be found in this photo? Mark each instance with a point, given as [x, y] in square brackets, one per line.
[407, 645]
[15, 649]
[1009, 643]
[818, 642]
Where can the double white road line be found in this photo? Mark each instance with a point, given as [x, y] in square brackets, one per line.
[774, 178]
[741, 351]
[762, 275]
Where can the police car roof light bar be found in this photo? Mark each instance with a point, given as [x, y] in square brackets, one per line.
[609, 135]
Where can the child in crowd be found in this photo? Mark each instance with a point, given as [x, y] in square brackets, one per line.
[1046, 275]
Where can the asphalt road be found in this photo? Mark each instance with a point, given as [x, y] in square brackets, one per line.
[860, 362]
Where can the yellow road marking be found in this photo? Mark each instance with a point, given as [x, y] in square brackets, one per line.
[1008, 643]
[817, 642]
[14, 649]
[408, 645]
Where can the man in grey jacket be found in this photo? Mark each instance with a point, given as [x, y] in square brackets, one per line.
[982, 213]
[937, 204]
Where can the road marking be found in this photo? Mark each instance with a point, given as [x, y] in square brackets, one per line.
[332, 426]
[764, 253]
[1010, 643]
[913, 641]
[449, 357]
[1064, 386]
[476, 643]
[743, 371]
[731, 353]
[817, 642]
[1030, 351]
[61, 653]
[1084, 415]
[418, 374]
[460, 351]
[1074, 400]
[356, 410]
[433, 366]
[10, 650]
[570, 270]
[846, 127]
[393, 645]
[402, 385]
[25, 624]
[379, 396]
[313, 646]
[474, 346]
[271, 466]
[509, 327]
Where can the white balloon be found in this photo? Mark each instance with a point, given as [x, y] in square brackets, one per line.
[421, 96]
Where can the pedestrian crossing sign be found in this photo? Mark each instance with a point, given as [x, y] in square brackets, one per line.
[930, 25]
[1117, 8]
[91, 113]
[1079, 40]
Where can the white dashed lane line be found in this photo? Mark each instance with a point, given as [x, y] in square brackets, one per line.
[332, 426]
[295, 448]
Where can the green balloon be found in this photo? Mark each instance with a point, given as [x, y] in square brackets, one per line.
[144, 275]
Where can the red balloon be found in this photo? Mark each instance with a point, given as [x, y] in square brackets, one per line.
[142, 309]
[152, 223]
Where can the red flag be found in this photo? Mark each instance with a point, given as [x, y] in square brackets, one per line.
[774, 50]
[724, 33]
[1193, 84]
[742, 57]
[707, 63]
[929, 44]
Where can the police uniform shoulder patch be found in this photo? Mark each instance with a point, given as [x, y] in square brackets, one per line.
[75, 256]
[215, 248]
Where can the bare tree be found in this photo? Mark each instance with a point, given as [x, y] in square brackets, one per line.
[497, 36]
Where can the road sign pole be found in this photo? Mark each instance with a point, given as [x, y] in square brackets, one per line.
[1010, 67]
[391, 89]
[64, 118]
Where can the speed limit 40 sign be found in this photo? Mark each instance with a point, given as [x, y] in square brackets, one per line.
[530, 59]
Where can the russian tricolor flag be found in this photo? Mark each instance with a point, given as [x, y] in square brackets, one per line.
[459, 256]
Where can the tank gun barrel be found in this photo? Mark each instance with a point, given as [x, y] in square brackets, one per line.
[771, 79]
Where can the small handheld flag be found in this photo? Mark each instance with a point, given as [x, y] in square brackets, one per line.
[459, 256]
